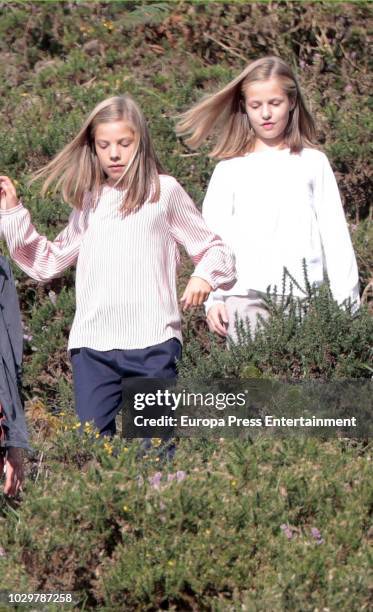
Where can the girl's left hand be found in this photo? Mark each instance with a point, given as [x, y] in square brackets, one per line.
[196, 292]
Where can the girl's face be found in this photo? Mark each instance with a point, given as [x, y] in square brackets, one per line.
[115, 143]
[268, 108]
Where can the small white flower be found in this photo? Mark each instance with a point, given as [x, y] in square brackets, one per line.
[53, 297]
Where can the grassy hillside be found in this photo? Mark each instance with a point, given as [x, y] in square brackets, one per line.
[274, 524]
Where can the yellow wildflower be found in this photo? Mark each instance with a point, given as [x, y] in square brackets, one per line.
[108, 447]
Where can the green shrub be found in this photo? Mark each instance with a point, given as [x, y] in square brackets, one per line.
[310, 337]
[236, 533]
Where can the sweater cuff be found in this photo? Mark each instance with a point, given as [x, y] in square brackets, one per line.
[215, 280]
[12, 211]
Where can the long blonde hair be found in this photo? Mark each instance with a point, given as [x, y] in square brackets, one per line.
[76, 169]
[224, 113]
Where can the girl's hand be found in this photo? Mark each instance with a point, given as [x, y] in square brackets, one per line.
[196, 292]
[8, 194]
[14, 470]
[217, 319]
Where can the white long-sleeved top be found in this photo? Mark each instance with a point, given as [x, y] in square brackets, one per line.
[275, 208]
[126, 265]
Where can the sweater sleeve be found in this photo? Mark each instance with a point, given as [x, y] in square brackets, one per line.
[339, 256]
[39, 257]
[217, 211]
[213, 259]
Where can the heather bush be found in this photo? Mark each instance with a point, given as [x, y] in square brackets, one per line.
[303, 338]
[279, 524]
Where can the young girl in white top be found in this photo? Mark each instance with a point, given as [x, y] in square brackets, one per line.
[274, 198]
[128, 218]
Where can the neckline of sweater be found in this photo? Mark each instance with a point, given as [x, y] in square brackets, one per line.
[267, 151]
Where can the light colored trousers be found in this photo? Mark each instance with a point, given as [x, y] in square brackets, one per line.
[246, 307]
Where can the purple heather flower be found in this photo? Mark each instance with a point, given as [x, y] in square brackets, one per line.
[2, 552]
[315, 532]
[155, 480]
[317, 535]
[171, 477]
[180, 475]
[287, 531]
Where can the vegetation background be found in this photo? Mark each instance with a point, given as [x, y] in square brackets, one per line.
[282, 524]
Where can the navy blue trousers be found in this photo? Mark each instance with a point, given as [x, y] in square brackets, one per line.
[98, 378]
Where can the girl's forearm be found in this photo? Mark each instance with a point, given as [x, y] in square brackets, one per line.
[36, 255]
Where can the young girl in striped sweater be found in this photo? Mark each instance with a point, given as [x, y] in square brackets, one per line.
[128, 218]
[273, 197]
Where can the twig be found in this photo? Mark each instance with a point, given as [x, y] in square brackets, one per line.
[350, 61]
[368, 289]
[39, 464]
[88, 83]
[225, 47]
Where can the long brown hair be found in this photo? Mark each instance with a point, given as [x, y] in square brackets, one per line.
[224, 113]
[76, 169]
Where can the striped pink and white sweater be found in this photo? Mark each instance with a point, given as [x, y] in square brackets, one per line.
[125, 265]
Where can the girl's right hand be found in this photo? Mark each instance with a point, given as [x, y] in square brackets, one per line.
[8, 194]
[217, 319]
